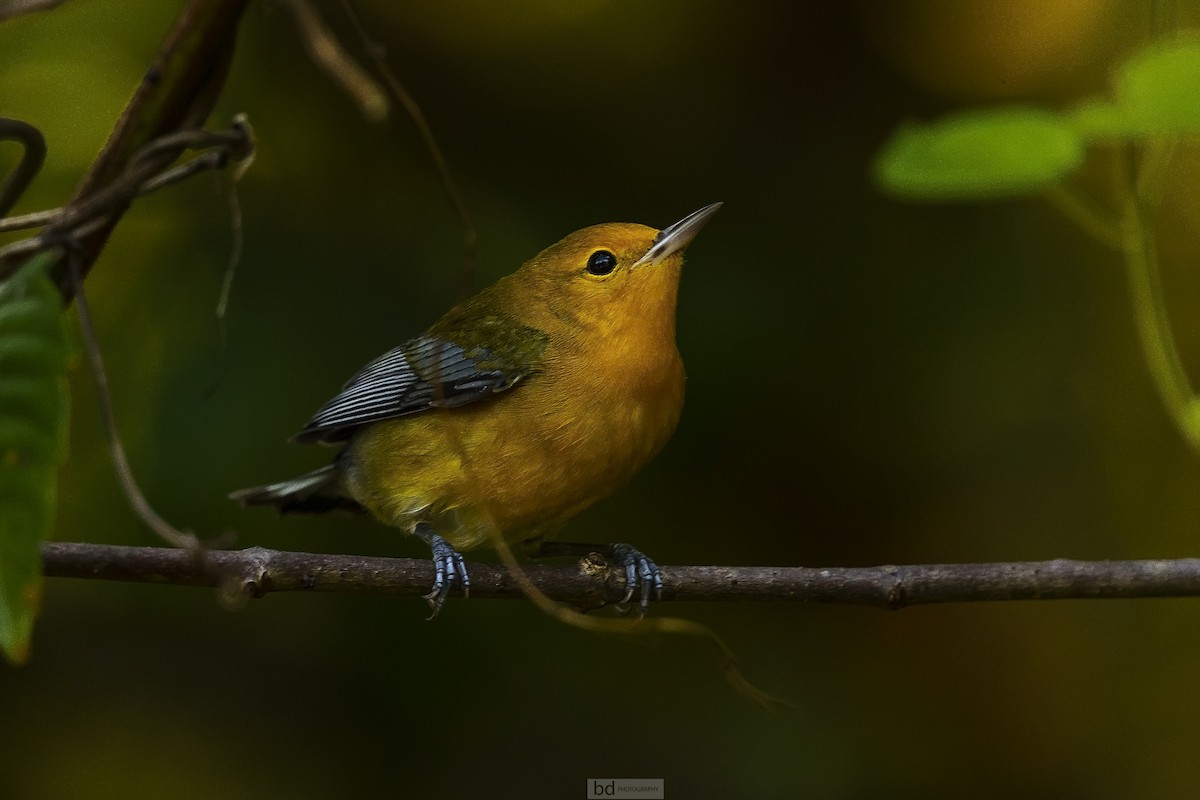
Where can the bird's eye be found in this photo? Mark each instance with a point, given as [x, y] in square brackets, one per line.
[601, 262]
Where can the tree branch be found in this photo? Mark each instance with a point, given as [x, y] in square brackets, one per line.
[177, 93]
[257, 571]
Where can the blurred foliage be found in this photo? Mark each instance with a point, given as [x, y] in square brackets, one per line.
[33, 430]
[989, 153]
[980, 154]
[1156, 90]
[869, 382]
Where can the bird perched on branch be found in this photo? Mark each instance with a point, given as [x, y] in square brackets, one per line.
[518, 409]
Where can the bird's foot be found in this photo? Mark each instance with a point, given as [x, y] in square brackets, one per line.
[641, 574]
[449, 567]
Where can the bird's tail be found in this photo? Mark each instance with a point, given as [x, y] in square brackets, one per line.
[311, 493]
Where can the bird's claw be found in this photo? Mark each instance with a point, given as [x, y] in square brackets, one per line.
[449, 566]
[640, 574]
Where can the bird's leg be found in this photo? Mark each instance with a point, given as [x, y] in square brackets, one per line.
[641, 573]
[448, 565]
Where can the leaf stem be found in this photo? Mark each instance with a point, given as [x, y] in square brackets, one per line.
[1140, 246]
[1087, 214]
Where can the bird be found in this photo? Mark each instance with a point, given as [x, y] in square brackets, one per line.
[519, 408]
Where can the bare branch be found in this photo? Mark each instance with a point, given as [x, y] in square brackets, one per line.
[257, 571]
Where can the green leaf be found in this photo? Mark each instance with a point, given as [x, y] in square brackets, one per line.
[33, 435]
[1159, 88]
[1157, 92]
[979, 154]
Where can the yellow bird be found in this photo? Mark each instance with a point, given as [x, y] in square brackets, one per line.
[519, 408]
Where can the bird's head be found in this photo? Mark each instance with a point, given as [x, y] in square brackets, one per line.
[615, 277]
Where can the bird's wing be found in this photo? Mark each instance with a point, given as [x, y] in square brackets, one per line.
[427, 372]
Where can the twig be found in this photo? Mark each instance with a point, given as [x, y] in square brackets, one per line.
[378, 56]
[325, 50]
[258, 571]
[34, 219]
[236, 245]
[167, 532]
[134, 183]
[15, 8]
[76, 222]
[34, 155]
[219, 312]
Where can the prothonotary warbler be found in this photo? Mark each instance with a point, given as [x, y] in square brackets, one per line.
[518, 409]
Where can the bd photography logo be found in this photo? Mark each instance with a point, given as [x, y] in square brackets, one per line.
[602, 788]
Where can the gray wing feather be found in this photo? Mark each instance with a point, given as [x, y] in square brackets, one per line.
[428, 372]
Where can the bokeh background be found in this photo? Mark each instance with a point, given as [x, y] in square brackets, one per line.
[869, 382]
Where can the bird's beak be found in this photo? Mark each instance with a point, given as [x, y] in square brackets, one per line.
[675, 238]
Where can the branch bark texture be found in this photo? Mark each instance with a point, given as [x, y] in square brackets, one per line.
[257, 571]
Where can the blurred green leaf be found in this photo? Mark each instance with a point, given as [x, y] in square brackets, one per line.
[33, 426]
[1156, 93]
[1159, 88]
[979, 154]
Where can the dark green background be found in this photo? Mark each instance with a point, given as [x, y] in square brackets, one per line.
[869, 382]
